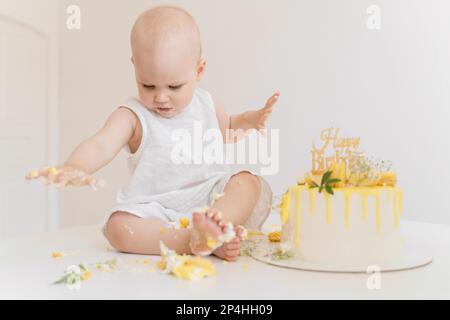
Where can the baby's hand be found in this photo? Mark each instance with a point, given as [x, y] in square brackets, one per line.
[259, 117]
[65, 176]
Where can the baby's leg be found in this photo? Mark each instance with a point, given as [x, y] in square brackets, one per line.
[241, 195]
[128, 233]
[131, 234]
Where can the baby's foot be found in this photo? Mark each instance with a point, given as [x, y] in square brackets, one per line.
[230, 251]
[206, 232]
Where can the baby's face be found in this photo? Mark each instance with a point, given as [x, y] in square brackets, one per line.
[166, 79]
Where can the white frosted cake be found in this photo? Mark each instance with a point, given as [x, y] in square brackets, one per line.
[346, 212]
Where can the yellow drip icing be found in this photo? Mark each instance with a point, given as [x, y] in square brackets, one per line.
[286, 206]
[395, 209]
[400, 201]
[312, 201]
[347, 209]
[328, 200]
[377, 212]
[393, 194]
[363, 206]
[297, 231]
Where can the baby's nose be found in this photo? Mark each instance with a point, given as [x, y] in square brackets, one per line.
[161, 98]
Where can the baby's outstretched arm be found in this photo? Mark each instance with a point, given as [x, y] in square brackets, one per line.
[93, 153]
[253, 119]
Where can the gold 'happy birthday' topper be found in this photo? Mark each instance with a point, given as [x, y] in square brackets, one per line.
[341, 149]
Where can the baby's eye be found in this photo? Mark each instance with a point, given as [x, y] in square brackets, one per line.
[175, 87]
[148, 86]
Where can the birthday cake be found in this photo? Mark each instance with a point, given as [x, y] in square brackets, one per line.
[346, 211]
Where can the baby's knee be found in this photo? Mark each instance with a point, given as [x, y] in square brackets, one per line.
[248, 180]
[116, 232]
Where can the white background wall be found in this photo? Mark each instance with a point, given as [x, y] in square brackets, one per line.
[38, 18]
[390, 87]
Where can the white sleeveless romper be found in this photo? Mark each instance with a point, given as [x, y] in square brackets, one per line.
[160, 188]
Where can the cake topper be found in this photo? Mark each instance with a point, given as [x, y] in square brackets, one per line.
[343, 164]
[334, 150]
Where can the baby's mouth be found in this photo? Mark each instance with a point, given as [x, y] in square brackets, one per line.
[160, 109]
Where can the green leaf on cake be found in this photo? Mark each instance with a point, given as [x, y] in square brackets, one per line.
[333, 181]
[326, 183]
[329, 189]
[325, 177]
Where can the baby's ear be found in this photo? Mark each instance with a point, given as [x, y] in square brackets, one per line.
[200, 68]
[132, 60]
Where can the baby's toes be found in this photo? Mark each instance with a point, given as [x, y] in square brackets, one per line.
[241, 232]
[235, 244]
[217, 217]
[198, 219]
[223, 227]
[210, 212]
[212, 228]
[232, 254]
[238, 230]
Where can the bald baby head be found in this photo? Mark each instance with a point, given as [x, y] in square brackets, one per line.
[165, 43]
[165, 28]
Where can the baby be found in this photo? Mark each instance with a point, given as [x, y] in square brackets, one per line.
[167, 57]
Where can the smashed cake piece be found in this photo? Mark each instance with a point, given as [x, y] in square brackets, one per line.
[184, 266]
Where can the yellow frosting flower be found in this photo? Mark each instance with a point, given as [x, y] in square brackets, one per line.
[301, 181]
[57, 255]
[274, 236]
[86, 275]
[308, 179]
[312, 179]
[161, 265]
[184, 223]
[388, 178]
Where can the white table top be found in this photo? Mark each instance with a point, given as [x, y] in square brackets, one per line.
[27, 268]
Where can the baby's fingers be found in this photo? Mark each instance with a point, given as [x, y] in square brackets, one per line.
[272, 100]
[32, 175]
[83, 179]
[36, 174]
[67, 178]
